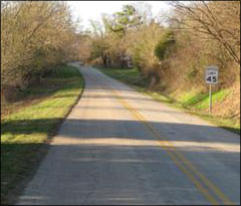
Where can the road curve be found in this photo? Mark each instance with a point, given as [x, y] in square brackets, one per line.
[120, 147]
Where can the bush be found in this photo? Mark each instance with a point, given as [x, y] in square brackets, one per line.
[34, 36]
[161, 49]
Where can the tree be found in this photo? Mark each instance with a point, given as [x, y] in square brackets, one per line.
[34, 37]
[123, 20]
[161, 49]
[219, 21]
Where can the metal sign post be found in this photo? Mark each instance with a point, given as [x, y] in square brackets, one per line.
[210, 98]
[211, 77]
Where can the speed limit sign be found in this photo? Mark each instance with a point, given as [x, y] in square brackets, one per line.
[211, 75]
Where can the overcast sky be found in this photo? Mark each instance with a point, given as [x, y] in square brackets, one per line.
[86, 10]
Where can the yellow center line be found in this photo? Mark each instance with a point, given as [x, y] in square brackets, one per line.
[178, 158]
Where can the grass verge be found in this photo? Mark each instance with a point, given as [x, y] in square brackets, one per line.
[192, 103]
[26, 132]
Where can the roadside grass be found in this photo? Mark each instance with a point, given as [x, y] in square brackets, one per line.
[201, 100]
[192, 102]
[24, 133]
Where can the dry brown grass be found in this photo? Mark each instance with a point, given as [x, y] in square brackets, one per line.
[230, 106]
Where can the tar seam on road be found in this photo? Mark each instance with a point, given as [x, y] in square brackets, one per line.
[178, 158]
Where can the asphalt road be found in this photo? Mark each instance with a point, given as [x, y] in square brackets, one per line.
[118, 146]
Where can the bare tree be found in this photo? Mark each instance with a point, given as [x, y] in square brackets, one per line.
[34, 37]
[219, 21]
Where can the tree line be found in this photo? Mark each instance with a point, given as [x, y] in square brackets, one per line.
[196, 34]
[38, 35]
[35, 37]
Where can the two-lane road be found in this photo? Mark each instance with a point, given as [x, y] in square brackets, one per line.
[118, 146]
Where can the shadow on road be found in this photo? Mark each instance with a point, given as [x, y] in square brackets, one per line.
[91, 141]
[98, 155]
[78, 128]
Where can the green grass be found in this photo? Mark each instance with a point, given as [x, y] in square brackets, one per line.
[24, 133]
[190, 98]
[216, 97]
[199, 100]
[192, 102]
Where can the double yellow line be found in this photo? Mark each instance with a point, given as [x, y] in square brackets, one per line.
[200, 181]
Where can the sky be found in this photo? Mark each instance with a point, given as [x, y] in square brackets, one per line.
[86, 10]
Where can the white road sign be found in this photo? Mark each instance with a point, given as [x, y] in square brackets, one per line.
[211, 75]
